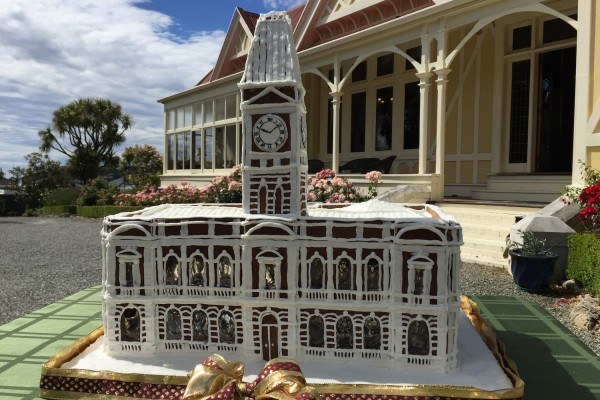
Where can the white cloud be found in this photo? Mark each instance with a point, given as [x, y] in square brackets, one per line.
[282, 4]
[58, 51]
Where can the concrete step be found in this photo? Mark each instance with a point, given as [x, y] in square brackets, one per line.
[528, 183]
[485, 227]
[504, 195]
[488, 232]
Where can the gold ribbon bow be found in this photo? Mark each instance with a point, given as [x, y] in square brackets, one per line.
[218, 379]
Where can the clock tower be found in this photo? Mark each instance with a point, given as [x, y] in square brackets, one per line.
[274, 158]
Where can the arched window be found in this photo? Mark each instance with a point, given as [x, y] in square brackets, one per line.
[344, 333]
[226, 328]
[316, 273]
[262, 199]
[316, 331]
[130, 325]
[373, 276]
[418, 338]
[224, 272]
[199, 326]
[172, 271]
[197, 271]
[278, 200]
[372, 334]
[173, 325]
[344, 274]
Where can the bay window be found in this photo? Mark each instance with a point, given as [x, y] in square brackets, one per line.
[204, 136]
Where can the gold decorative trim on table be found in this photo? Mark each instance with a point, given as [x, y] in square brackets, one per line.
[58, 383]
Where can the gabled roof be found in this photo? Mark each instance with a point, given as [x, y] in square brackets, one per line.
[313, 23]
[241, 21]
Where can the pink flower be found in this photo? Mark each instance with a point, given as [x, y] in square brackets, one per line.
[312, 197]
[373, 176]
[233, 185]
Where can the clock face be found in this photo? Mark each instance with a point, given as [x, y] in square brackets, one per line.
[269, 132]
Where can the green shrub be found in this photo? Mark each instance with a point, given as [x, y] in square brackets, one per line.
[97, 192]
[61, 197]
[103, 211]
[584, 261]
[57, 210]
[30, 212]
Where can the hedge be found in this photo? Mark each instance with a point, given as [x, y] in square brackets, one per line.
[57, 210]
[584, 261]
[103, 211]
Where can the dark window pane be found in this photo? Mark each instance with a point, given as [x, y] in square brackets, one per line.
[418, 338]
[220, 147]
[171, 152]
[412, 108]
[200, 326]
[360, 72]
[344, 271]
[521, 38]
[180, 150]
[270, 276]
[130, 325]
[316, 332]
[556, 30]
[330, 127]
[384, 111]
[316, 274]
[173, 325]
[414, 52]
[226, 328]
[385, 65]
[373, 277]
[208, 148]
[519, 112]
[556, 102]
[197, 149]
[344, 333]
[372, 334]
[359, 105]
[230, 143]
[418, 290]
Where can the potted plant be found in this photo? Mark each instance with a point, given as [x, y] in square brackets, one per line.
[531, 263]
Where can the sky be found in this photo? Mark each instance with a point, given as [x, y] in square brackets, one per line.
[132, 52]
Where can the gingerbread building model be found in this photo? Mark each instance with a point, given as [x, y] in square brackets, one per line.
[375, 283]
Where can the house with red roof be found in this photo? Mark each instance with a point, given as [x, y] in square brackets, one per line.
[486, 99]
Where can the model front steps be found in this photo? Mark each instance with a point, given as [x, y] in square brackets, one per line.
[485, 227]
[530, 188]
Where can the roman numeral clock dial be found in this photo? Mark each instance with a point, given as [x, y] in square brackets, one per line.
[269, 132]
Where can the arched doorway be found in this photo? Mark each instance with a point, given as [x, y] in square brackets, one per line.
[269, 337]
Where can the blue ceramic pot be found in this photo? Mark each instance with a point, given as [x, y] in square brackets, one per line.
[532, 273]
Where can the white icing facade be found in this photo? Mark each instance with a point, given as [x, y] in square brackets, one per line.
[374, 282]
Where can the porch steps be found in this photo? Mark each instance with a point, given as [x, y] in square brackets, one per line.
[530, 188]
[485, 227]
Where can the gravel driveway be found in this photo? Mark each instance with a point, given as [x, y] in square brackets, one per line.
[43, 260]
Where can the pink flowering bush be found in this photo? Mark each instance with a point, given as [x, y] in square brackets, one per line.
[222, 189]
[373, 177]
[326, 187]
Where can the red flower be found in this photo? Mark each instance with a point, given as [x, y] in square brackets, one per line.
[587, 213]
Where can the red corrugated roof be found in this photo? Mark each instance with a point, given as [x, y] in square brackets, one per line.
[295, 14]
[249, 17]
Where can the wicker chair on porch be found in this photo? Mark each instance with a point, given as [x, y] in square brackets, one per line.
[315, 166]
[364, 165]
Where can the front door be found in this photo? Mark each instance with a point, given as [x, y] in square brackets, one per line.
[556, 108]
[270, 337]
